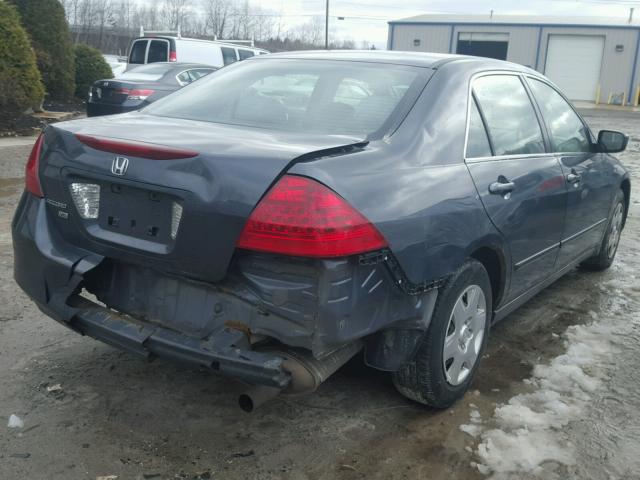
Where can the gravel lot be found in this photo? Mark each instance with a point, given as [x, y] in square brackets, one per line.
[114, 415]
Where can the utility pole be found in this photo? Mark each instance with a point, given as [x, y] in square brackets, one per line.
[326, 27]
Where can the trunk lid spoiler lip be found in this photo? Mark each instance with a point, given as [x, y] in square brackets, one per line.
[296, 147]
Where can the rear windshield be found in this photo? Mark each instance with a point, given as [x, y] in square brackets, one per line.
[148, 72]
[312, 96]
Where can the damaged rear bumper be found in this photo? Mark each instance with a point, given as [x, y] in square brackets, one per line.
[227, 351]
[52, 273]
[315, 305]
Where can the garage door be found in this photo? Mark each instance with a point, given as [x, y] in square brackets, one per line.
[573, 63]
[491, 45]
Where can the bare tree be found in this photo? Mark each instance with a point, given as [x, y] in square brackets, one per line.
[110, 24]
[264, 25]
[104, 18]
[124, 15]
[147, 17]
[216, 13]
[311, 33]
[174, 13]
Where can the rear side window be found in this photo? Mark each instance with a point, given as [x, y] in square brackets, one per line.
[138, 51]
[228, 55]
[568, 133]
[158, 51]
[184, 78]
[196, 73]
[244, 54]
[478, 141]
[509, 114]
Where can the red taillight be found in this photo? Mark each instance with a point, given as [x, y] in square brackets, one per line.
[135, 149]
[302, 217]
[172, 56]
[136, 93]
[32, 179]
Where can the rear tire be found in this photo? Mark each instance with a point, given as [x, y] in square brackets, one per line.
[449, 354]
[607, 253]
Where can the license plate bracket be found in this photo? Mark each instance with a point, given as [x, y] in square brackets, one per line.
[136, 212]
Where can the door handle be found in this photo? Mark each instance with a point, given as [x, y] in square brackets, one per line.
[502, 186]
[573, 177]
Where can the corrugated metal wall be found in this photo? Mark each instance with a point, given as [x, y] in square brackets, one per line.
[433, 38]
[528, 46]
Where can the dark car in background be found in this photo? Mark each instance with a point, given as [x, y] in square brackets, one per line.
[141, 86]
[273, 220]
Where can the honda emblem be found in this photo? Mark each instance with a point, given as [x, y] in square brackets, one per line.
[119, 165]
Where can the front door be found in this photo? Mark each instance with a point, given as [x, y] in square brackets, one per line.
[587, 174]
[521, 186]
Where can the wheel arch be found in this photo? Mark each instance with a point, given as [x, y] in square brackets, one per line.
[625, 186]
[493, 260]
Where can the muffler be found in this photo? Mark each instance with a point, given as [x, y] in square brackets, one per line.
[307, 373]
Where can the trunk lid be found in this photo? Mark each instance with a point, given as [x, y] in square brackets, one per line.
[215, 190]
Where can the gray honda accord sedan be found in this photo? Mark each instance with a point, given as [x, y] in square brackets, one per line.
[285, 213]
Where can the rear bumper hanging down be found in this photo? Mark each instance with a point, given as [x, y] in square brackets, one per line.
[227, 351]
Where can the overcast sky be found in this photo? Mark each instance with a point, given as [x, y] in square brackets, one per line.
[367, 19]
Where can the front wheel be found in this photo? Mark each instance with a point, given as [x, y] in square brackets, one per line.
[448, 356]
[607, 253]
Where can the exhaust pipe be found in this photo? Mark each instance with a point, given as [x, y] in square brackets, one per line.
[307, 373]
[256, 396]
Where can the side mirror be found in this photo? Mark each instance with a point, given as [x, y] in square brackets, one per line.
[610, 141]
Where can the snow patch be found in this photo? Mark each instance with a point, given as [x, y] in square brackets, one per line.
[526, 432]
[15, 422]
[473, 430]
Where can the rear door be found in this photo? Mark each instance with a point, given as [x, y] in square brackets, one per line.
[138, 53]
[158, 51]
[146, 50]
[587, 173]
[521, 186]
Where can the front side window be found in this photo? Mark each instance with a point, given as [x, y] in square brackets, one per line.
[138, 51]
[509, 115]
[158, 51]
[568, 133]
[228, 55]
[311, 96]
[477, 141]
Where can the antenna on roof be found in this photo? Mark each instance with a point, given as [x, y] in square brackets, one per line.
[491, 15]
[631, 14]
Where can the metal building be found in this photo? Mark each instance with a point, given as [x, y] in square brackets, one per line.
[593, 59]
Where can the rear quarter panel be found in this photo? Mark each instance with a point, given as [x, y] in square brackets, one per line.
[414, 185]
